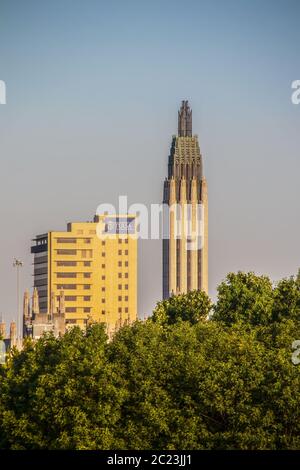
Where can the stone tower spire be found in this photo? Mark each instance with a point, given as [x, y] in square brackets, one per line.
[35, 302]
[185, 120]
[52, 306]
[26, 314]
[26, 306]
[13, 334]
[2, 329]
[61, 304]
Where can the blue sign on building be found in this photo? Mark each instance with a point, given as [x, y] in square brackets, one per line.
[119, 225]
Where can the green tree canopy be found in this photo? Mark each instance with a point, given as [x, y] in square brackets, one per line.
[244, 297]
[287, 300]
[60, 394]
[192, 307]
[174, 381]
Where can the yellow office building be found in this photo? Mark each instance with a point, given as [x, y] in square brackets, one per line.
[95, 265]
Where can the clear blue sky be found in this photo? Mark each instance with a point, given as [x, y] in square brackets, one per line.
[93, 89]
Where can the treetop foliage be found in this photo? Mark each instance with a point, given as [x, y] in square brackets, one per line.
[192, 376]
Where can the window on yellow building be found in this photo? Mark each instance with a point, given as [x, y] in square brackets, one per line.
[66, 252]
[66, 263]
[66, 240]
[66, 286]
[66, 275]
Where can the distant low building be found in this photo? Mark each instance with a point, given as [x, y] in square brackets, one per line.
[36, 323]
[7, 342]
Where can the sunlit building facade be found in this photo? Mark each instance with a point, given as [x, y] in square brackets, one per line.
[95, 265]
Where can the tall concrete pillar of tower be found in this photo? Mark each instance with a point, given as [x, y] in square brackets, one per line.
[182, 262]
[194, 236]
[172, 240]
[204, 263]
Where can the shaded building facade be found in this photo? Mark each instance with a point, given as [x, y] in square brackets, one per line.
[35, 323]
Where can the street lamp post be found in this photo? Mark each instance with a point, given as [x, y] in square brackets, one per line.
[18, 264]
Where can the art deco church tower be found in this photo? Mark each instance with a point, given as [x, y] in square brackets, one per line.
[185, 264]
